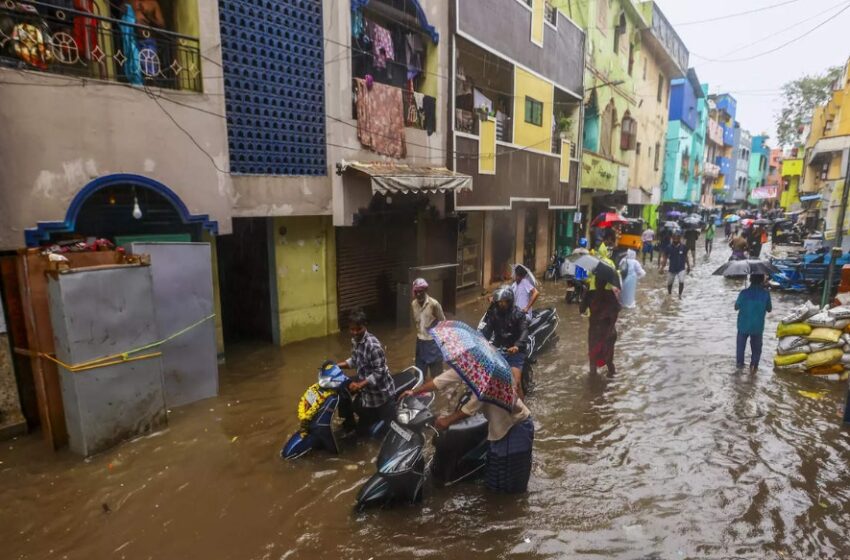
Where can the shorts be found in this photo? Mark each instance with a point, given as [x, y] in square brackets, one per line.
[679, 276]
[648, 247]
[516, 360]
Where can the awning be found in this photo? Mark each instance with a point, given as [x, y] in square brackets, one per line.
[810, 197]
[391, 178]
[828, 145]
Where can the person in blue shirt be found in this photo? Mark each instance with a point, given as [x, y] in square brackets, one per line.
[752, 305]
[677, 255]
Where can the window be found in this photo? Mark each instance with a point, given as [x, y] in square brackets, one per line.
[631, 58]
[637, 148]
[657, 154]
[660, 91]
[644, 69]
[628, 133]
[619, 31]
[533, 111]
[551, 13]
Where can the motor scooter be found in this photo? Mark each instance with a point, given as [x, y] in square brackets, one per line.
[460, 453]
[553, 271]
[318, 406]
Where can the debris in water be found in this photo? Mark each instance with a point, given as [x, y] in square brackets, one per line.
[811, 395]
[105, 507]
[233, 439]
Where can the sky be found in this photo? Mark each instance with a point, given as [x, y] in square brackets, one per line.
[755, 83]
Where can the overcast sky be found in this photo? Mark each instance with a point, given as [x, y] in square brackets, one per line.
[755, 83]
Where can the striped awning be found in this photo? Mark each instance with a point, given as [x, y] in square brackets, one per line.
[391, 177]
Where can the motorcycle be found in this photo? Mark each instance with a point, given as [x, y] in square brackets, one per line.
[553, 271]
[460, 453]
[318, 405]
[576, 289]
[541, 330]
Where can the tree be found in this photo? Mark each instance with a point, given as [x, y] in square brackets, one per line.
[799, 99]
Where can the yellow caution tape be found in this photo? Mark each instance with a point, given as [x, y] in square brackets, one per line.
[124, 357]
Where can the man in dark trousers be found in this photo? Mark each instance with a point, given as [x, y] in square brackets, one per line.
[676, 254]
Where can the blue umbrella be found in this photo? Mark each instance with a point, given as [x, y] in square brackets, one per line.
[732, 219]
[477, 362]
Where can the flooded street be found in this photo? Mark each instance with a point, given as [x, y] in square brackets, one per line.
[676, 457]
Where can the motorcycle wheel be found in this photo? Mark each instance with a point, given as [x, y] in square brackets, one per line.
[527, 379]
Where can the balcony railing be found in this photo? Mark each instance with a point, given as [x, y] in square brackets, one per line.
[52, 38]
[711, 170]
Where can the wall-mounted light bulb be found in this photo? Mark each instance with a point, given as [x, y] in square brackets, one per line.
[137, 212]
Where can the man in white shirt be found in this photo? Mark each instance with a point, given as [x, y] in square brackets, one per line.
[648, 238]
[525, 293]
[427, 312]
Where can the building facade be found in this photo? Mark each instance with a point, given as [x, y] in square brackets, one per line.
[743, 148]
[827, 156]
[516, 129]
[686, 135]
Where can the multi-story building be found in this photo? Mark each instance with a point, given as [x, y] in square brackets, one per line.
[759, 164]
[723, 110]
[614, 84]
[686, 133]
[791, 173]
[714, 179]
[743, 148]
[827, 158]
[516, 129]
[662, 56]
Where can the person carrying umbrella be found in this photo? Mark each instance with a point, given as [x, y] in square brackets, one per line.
[427, 311]
[507, 325]
[752, 305]
[676, 254]
[603, 303]
[495, 393]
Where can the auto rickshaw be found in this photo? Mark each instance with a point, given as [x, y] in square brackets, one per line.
[630, 235]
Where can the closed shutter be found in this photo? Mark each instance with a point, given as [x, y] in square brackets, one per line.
[371, 260]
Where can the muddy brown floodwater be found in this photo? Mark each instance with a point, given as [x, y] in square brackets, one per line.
[677, 457]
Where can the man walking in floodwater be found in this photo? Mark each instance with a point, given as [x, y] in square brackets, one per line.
[676, 254]
[427, 312]
[372, 379]
[752, 305]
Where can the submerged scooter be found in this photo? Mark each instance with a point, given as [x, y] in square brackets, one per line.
[319, 403]
[460, 453]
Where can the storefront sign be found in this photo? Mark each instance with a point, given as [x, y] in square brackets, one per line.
[763, 193]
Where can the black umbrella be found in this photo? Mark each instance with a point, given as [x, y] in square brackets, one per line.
[746, 268]
[762, 222]
[606, 275]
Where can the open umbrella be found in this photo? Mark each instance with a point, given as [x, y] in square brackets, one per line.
[530, 274]
[747, 222]
[762, 222]
[732, 219]
[675, 214]
[478, 363]
[671, 225]
[745, 268]
[605, 274]
[608, 219]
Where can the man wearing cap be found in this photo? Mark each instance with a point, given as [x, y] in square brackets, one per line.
[427, 312]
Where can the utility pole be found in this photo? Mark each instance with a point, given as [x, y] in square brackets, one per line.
[839, 237]
[839, 234]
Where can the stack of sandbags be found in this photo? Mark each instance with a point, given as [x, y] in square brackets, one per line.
[815, 341]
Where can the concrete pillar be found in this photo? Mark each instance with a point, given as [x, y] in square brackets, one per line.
[519, 244]
[543, 250]
[12, 421]
[487, 251]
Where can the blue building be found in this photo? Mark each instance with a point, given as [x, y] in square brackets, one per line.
[685, 140]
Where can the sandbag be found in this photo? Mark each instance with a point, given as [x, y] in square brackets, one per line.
[801, 313]
[845, 338]
[827, 370]
[792, 329]
[804, 349]
[791, 368]
[841, 324]
[822, 334]
[820, 346]
[846, 348]
[840, 312]
[845, 359]
[792, 345]
[789, 359]
[822, 358]
[822, 319]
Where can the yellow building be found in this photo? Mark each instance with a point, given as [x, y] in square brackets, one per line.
[827, 156]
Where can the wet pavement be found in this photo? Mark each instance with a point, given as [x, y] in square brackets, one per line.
[678, 456]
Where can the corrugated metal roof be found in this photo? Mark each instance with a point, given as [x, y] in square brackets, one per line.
[391, 177]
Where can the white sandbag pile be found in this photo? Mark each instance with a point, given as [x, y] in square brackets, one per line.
[814, 341]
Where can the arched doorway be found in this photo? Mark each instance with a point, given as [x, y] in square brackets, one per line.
[124, 208]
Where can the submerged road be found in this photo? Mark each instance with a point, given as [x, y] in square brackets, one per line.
[678, 456]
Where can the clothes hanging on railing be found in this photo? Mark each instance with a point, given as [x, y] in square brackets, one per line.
[429, 107]
[380, 118]
[85, 29]
[382, 44]
[132, 70]
[414, 54]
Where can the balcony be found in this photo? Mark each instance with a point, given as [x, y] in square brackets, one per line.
[725, 166]
[711, 170]
[52, 38]
[728, 135]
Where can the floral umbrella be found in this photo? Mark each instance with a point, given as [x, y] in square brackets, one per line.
[477, 362]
